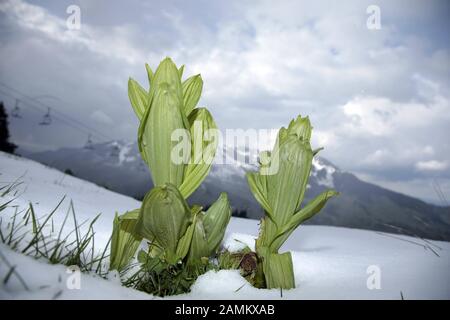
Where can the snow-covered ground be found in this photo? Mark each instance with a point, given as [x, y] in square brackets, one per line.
[329, 262]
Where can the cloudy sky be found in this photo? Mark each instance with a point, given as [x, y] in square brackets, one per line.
[378, 98]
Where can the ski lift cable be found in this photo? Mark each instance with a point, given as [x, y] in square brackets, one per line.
[62, 114]
[61, 119]
[40, 110]
[65, 121]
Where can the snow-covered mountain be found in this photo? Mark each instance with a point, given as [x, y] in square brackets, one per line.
[118, 166]
[329, 262]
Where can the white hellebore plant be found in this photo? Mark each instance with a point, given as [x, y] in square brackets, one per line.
[280, 192]
[175, 232]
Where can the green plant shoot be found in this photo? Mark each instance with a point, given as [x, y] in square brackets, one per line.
[280, 187]
[175, 232]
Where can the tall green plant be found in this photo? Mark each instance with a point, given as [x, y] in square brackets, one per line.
[279, 186]
[173, 229]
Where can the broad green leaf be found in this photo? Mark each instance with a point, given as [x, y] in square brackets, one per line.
[258, 187]
[124, 242]
[286, 188]
[199, 244]
[281, 137]
[302, 128]
[268, 227]
[313, 207]
[185, 242]
[149, 74]
[138, 97]
[180, 71]
[260, 241]
[215, 222]
[165, 216]
[192, 90]
[163, 118]
[203, 149]
[167, 72]
[278, 270]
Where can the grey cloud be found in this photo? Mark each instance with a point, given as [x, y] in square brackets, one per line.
[262, 65]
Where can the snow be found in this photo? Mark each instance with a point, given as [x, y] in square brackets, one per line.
[329, 262]
[238, 241]
[46, 281]
[124, 153]
[44, 187]
[327, 180]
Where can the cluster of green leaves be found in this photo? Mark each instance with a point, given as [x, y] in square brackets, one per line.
[168, 105]
[158, 278]
[182, 238]
[281, 192]
[176, 234]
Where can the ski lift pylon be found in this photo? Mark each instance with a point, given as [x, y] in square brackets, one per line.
[47, 119]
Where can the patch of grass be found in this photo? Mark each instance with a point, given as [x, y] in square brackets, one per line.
[34, 235]
[158, 278]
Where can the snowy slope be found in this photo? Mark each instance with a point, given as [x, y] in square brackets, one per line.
[329, 262]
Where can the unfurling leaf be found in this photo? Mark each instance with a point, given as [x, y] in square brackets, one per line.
[258, 186]
[163, 118]
[192, 90]
[138, 97]
[149, 74]
[209, 229]
[164, 217]
[124, 242]
[286, 189]
[313, 207]
[199, 243]
[185, 241]
[203, 148]
[215, 221]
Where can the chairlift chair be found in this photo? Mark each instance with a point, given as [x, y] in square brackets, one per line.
[47, 119]
[16, 111]
[88, 145]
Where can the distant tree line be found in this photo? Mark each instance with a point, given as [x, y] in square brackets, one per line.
[5, 144]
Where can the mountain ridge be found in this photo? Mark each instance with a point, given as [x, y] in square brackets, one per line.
[117, 165]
